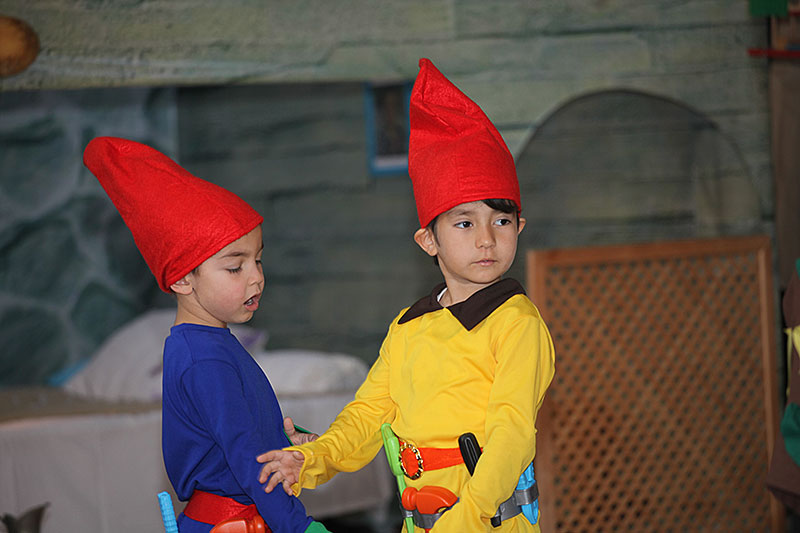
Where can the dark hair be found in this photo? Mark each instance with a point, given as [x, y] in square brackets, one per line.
[498, 204]
[504, 205]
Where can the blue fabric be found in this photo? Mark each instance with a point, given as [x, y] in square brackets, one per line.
[219, 413]
[65, 374]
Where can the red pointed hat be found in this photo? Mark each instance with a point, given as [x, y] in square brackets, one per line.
[455, 153]
[177, 220]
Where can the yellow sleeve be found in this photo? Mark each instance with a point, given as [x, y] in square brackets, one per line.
[525, 367]
[354, 438]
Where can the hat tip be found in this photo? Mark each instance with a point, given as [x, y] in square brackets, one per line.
[92, 147]
[97, 143]
[121, 145]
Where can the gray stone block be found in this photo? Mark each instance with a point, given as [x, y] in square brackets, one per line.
[33, 343]
[521, 17]
[41, 262]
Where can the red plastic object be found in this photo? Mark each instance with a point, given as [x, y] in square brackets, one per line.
[428, 500]
[770, 52]
[241, 525]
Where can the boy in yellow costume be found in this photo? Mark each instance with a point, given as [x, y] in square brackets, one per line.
[474, 356]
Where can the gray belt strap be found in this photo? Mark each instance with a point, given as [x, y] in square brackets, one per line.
[508, 509]
[513, 506]
[527, 496]
[425, 521]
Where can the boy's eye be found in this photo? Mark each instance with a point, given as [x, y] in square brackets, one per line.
[234, 270]
[503, 221]
[464, 224]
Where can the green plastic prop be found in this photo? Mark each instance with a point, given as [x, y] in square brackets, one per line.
[392, 448]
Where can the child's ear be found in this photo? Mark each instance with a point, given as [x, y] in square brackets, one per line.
[520, 224]
[182, 286]
[424, 238]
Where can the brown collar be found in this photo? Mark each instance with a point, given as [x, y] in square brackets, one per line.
[471, 311]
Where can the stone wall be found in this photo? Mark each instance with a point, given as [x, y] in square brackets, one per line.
[340, 261]
[70, 273]
[339, 258]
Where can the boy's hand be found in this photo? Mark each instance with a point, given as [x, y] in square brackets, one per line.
[297, 437]
[282, 466]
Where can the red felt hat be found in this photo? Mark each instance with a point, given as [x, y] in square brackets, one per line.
[455, 154]
[177, 220]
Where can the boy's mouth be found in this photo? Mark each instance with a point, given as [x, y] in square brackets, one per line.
[252, 302]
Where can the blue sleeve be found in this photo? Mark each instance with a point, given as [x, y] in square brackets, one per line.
[218, 395]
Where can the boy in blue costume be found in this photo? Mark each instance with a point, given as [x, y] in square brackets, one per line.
[204, 245]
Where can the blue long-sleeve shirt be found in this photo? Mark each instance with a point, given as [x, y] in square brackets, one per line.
[219, 413]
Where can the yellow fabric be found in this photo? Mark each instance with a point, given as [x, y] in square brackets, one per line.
[433, 381]
[793, 341]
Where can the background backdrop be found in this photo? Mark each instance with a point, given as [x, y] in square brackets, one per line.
[630, 121]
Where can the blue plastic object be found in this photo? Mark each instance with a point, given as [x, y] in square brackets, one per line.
[526, 481]
[167, 512]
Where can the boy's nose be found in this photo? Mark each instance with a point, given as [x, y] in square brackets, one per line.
[485, 237]
[258, 277]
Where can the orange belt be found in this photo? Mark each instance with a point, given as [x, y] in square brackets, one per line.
[212, 509]
[414, 461]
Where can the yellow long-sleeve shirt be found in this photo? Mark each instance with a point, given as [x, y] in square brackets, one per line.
[480, 366]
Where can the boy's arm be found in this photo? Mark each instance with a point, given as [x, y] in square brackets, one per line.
[282, 468]
[215, 390]
[353, 438]
[525, 368]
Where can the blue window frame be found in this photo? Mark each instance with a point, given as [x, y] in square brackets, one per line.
[386, 113]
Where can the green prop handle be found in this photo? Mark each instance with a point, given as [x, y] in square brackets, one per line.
[392, 448]
[298, 429]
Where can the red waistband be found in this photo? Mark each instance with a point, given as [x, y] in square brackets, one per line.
[416, 460]
[212, 509]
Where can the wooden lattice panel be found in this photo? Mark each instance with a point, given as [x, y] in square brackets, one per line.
[662, 413]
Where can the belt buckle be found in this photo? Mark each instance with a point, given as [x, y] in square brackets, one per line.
[417, 455]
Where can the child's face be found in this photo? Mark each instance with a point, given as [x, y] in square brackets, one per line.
[475, 245]
[227, 286]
